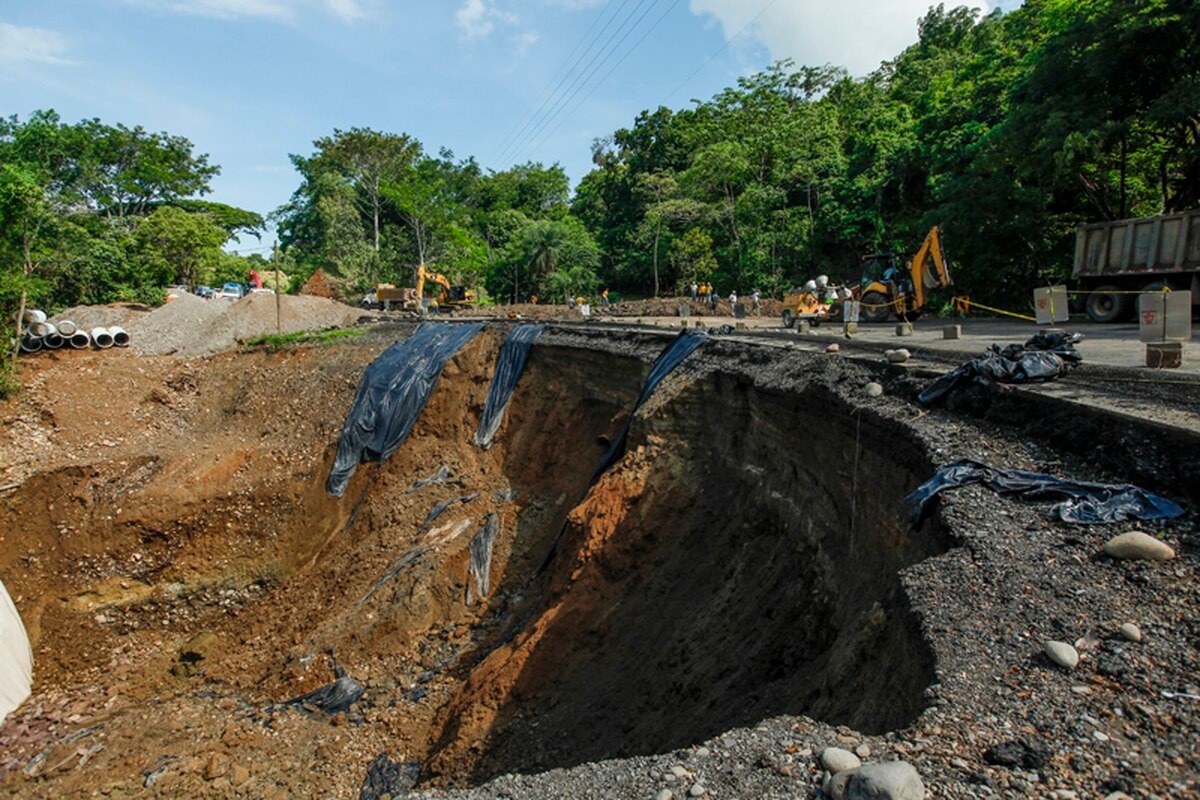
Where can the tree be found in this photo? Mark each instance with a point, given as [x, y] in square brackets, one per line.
[178, 245]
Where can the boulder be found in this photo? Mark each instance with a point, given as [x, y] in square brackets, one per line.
[1138, 545]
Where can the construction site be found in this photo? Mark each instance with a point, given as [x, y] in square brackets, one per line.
[631, 554]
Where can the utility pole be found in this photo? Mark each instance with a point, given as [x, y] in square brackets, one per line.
[278, 289]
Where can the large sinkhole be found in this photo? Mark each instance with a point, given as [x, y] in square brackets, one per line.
[739, 562]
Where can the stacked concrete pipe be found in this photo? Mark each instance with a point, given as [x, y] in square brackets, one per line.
[102, 338]
[30, 344]
[79, 339]
[51, 338]
[119, 337]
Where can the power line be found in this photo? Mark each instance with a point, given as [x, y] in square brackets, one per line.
[545, 96]
[580, 82]
[719, 50]
[614, 67]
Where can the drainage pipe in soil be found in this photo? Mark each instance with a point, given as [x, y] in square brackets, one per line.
[30, 344]
[67, 328]
[52, 339]
[102, 338]
[119, 337]
[79, 340]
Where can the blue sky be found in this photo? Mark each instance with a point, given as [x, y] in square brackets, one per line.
[250, 81]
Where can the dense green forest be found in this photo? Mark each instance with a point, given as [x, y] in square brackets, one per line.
[1008, 130]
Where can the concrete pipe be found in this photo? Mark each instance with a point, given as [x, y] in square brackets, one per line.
[102, 338]
[67, 328]
[42, 328]
[33, 315]
[52, 340]
[80, 340]
[31, 344]
[119, 337]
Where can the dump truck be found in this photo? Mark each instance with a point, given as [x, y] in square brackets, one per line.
[387, 296]
[1116, 261]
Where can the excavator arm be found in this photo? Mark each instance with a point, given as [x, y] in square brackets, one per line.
[929, 269]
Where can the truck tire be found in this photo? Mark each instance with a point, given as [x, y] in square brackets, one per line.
[789, 319]
[1104, 304]
[875, 307]
[835, 312]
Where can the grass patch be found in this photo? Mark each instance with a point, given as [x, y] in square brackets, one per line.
[274, 341]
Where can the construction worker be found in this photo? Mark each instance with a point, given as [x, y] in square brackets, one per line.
[695, 291]
[733, 302]
[756, 303]
[604, 297]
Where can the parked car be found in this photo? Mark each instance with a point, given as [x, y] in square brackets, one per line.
[262, 291]
[231, 291]
[207, 292]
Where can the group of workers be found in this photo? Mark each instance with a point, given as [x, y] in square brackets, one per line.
[706, 293]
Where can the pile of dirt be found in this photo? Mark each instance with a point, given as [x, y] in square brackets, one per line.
[319, 285]
[191, 326]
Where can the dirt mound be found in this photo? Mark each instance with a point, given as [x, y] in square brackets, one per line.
[319, 285]
[191, 326]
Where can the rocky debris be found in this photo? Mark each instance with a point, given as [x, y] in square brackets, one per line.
[319, 285]
[897, 356]
[1138, 545]
[1062, 654]
[1131, 632]
[888, 780]
[833, 348]
[873, 389]
[386, 778]
[837, 759]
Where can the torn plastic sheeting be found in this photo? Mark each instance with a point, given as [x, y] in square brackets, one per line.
[409, 557]
[441, 507]
[682, 347]
[441, 476]
[1044, 357]
[387, 778]
[1083, 501]
[332, 698]
[481, 557]
[391, 395]
[509, 365]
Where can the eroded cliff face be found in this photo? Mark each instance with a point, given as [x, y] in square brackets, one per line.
[740, 561]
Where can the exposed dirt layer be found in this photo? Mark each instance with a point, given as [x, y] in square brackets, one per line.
[740, 590]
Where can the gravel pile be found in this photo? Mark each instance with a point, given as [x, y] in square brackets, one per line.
[190, 326]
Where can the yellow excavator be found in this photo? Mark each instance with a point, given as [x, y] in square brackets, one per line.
[449, 296]
[886, 289]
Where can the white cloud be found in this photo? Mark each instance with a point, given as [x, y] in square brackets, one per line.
[473, 19]
[19, 44]
[856, 34]
[478, 18]
[521, 43]
[345, 10]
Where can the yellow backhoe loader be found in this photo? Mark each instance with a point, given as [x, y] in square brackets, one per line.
[886, 289]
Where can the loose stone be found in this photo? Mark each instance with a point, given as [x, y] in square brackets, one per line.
[1062, 654]
[836, 760]
[1131, 632]
[1138, 545]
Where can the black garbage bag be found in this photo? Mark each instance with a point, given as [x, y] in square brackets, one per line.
[332, 698]
[509, 365]
[1081, 501]
[387, 778]
[391, 395]
[679, 349]
[1044, 357]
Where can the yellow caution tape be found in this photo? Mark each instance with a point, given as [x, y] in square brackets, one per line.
[963, 303]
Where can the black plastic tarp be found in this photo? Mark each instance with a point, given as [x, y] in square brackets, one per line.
[1045, 357]
[679, 349]
[391, 395]
[1081, 501]
[509, 365]
[480, 567]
